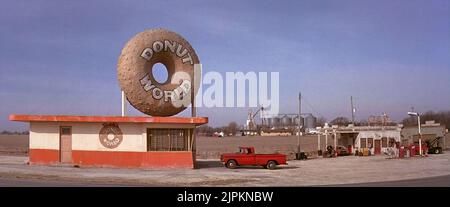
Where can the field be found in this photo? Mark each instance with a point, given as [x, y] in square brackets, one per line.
[207, 147]
[14, 144]
[212, 147]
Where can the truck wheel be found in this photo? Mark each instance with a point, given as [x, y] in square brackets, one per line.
[271, 165]
[231, 164]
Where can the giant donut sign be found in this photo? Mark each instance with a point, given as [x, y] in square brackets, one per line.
[135, 76]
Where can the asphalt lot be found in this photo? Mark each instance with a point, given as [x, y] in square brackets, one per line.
[439, 181]
[15, 182]
[349, 170]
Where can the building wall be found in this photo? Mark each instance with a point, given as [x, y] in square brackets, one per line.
[346, 139]
[409, 132]
[178, 126]
[85, 136]
[181, 159]
[44, 136]
[87, 149]
[377, 135]
[44, 143]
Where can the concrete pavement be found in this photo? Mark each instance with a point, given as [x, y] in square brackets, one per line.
[322, 171]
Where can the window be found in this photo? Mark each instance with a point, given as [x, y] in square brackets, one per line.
[391, 142]
[363, 142]
[370, 142]
[167, 139]
[245, 150]
[384, 142]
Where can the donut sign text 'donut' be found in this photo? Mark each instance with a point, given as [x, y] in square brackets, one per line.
[134, 71]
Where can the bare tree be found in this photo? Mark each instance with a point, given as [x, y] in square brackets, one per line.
[362, 122]
[231, 128]
[205, 130]
[442, 117]
[321, 121]
[341, 121]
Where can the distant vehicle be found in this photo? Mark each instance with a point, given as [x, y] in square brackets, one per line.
[330, 152]
[219, 134]
[433, 146]
[312, 131]
[342, 151]
[247, 156]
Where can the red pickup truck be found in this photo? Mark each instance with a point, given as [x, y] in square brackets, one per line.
[247, 156]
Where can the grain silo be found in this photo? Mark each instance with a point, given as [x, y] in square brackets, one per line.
[276, 121]
[296, 120]
[310, 121]
[286, 121]
[269, 121]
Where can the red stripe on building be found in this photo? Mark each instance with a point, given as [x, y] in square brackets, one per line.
[43, 156]
[163, 159]
[118, 119]
[133, 159]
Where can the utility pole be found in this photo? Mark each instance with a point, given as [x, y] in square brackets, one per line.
[124, 106]
[299, 120]
[261, 116]
[420, 135]
[412, 113]
[353, 110]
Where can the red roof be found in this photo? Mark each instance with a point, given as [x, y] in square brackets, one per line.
[119, 119]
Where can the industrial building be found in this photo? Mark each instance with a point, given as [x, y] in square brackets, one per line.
[279, 124]
[287, 124]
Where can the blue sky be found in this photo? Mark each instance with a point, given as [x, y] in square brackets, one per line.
[59, 57]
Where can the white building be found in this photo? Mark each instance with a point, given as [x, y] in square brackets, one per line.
[376, 138]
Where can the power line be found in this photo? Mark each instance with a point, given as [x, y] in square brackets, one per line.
[310, 106]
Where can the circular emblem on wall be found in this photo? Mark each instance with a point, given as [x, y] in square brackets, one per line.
[135, 65]
[110, 135]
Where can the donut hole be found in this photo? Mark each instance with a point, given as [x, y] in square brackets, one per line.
[160, 73]
[110, 136]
